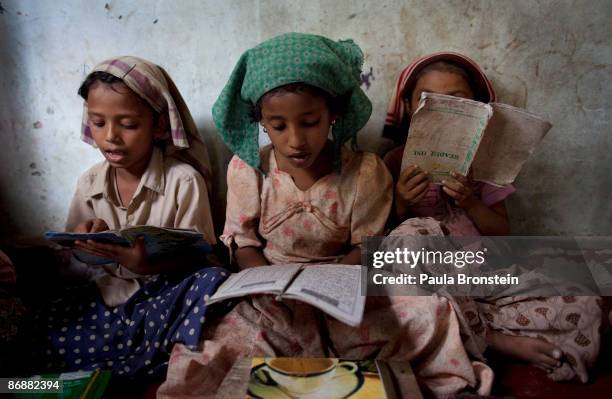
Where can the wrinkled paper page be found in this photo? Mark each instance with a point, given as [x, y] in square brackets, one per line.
[511, 136]
[444, 134]
[333, 288]
[272, 279]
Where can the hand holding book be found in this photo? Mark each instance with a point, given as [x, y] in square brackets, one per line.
[411, 188]
[460, 189]
[413, 183]
[132, 257]
[126, 244]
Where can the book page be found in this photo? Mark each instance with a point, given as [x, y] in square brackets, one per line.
[444, 134]
[333, 288]
[256, 280]
[509, 139]
[159, 240]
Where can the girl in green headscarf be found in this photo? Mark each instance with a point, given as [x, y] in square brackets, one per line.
[303, 199]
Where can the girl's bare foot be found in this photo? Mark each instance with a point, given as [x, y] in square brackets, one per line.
[533, 350]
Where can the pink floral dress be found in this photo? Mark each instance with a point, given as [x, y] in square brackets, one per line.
[320, 225]
[315, 225]
[571, 323]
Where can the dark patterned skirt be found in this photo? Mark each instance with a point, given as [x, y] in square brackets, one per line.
[78, 331]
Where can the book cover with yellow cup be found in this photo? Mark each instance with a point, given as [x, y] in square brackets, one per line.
[309, 378]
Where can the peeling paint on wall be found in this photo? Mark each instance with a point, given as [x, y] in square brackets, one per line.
[366, 78]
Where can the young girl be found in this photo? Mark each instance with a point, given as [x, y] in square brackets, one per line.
[524, 328]
[135, 115]
[307, 198]
[463, 207]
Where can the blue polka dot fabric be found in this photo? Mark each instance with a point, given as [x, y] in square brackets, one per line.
[133, 339]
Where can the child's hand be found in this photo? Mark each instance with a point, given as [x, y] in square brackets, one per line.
[460, 189]
[411, 186]
[91, 226]
[134, 258]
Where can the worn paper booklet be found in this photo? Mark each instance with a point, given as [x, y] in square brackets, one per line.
[450, 133]
[333, 288]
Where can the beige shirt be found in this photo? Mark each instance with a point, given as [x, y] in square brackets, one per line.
[171, 194]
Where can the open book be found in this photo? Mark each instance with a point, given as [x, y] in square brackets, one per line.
[449, 133]
[158, 241]
[333, 288]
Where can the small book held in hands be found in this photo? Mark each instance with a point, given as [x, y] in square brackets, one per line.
[158, 241]
[333, 288]
[450, 133]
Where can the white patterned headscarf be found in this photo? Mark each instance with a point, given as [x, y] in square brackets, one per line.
[153, 84]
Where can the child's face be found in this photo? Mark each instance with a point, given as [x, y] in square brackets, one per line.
[122, 125]
[298, 126]
[440, 82]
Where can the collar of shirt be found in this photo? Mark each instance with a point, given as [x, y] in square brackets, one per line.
[153, 177]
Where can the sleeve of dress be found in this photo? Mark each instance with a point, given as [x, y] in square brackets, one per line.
[243, 205]
[81, 208]
[490, 194]
[373, 199]
[193, 207]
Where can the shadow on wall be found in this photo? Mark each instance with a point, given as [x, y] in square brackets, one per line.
[15, 126]
[220, 156]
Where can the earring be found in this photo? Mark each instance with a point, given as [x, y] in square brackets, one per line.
[263, 128]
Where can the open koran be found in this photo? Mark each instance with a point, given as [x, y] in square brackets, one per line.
[450, 133]
[333, 288]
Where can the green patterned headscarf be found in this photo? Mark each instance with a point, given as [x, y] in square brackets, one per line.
[291, 58]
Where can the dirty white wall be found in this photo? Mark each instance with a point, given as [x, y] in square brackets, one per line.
[551, 57]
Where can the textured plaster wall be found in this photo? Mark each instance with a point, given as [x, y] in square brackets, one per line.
[551, 57]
